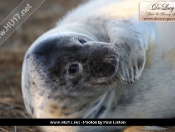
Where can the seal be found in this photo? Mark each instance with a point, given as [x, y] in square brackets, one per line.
[101, 62]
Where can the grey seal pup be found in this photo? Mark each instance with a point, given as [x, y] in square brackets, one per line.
[100, 61]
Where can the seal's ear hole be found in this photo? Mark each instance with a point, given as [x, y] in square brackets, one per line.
[73, 69]
[81, 40]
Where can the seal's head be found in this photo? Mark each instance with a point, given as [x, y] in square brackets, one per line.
[63, 73]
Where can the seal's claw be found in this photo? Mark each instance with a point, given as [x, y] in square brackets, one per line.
[131, 65]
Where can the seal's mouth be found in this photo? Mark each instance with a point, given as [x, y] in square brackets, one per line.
[106, 81]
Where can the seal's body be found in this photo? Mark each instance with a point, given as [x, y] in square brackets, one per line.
[101, 62]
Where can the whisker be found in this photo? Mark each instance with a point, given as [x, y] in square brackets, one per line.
[109, 86]
[115, 97]
[119, 89]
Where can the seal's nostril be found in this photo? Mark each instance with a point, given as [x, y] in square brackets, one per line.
[112, 59]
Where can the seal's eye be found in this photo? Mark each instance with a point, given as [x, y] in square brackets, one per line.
[73, 69]
[81, 40]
